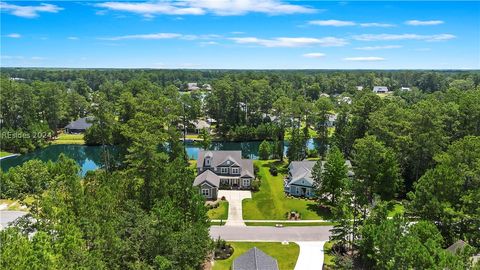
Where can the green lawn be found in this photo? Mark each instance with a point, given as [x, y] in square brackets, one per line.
[4, 154]
[221, 212]
[286, 255]
[272, 203]
[15, 205]
[290, 224]
[328, 258]
[69, 139]
[395, 208]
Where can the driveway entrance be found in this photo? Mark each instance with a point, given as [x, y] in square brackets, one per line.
[235, 198]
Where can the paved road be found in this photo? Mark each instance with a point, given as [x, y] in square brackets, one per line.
[271, 234]
[235, 198]
[9, 216]
[311, 255]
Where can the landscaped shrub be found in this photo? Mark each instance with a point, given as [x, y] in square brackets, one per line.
[255, 168]
[222, 250]
[273, 170]
[312, 153]
[255, 186]
[223, 198]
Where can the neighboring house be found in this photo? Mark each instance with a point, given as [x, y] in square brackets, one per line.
[405, 89]
[254, 259]
[192, 86]
[380, 89]
[332, 119]
[299, 181]
[79, 125]
[217, 169]
[207, 87]
[359, 88]
[458, 247]
[201, 125]
[347, 100]
[211, 121]
[324, 95]
[270, 117]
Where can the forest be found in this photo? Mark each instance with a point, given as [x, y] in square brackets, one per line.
[419, 146]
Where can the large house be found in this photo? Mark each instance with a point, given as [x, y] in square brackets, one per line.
[299, 181]
[217, 169]
[79, 126]
[380, 89]
[254, 259]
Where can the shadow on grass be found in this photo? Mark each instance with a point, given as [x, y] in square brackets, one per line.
[321, 211]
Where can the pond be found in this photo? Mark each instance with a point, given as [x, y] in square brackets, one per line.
[90, 157]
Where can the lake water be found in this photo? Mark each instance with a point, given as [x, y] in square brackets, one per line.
[90, 157]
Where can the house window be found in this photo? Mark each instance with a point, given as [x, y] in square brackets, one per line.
[246, 182]
[206, 192]
[235, 171]
[207, 162]
[223, 170]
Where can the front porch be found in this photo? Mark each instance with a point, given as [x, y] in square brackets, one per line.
[235, 183]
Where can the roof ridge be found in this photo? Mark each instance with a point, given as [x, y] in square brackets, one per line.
[255, 256]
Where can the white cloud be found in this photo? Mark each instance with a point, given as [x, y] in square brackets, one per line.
[155, 36]
[72, 38]
[291, 42]
[374, 48]
[339, 23]
[314, 55]
[206, 43]
[421, 23]
[376, 25]
[29, 11]
[386, 37]
[364, 59]
[150, 9]
[200, 7]
[146, 36]
[14, 35]
[336, 23]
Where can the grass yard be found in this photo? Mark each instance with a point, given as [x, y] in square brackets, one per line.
[286, 255]
[328, 258]
[290, 224]
[15, 205]
[395, 208]
[4, 154]
[221, 212]
[272, 203]
[69, 139]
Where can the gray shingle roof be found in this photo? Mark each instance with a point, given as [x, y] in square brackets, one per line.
[254, 259]
[208, 176]
[303, 170]
[218, 157]
[80, 124]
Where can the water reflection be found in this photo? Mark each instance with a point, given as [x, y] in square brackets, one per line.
[91, 157]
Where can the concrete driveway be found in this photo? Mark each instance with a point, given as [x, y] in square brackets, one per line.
[271, 234]
[311, 255]
[235, 198]
[8, 216]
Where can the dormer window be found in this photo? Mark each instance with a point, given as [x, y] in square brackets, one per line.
[207, 162]
[223, 170]
[235, 171]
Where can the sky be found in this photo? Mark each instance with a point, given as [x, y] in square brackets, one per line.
[241, 34]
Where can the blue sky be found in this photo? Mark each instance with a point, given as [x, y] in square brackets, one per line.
[241, 34]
